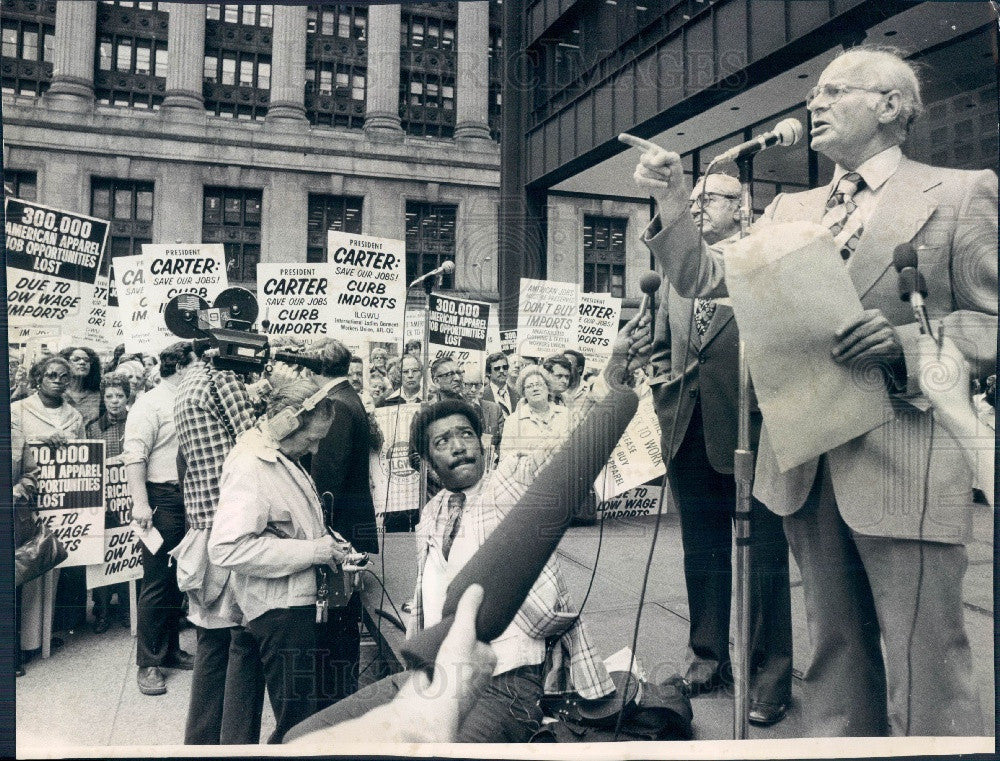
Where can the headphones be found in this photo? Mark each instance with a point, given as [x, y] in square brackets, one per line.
[288, 421]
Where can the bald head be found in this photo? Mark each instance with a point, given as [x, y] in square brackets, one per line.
[717, 213]
[884, 68]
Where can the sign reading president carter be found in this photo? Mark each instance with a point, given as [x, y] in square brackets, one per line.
[369, 280]
[53, 257]
[296, 299]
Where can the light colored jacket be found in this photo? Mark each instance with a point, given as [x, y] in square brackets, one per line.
[267, 527]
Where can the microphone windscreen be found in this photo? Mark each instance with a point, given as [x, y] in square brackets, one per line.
[908, 282]
[649, 283]
[448, 267]
[904, 256]
[789, 131]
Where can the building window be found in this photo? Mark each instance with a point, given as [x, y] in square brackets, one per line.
[232, 217]
[430, 238]
[330, 213]
[604, 255]
[427, 70]
[245, 14]
[237, 70]
[27, 33]
[129, 206]
[130, 60]
[20, 184]
[336, 65]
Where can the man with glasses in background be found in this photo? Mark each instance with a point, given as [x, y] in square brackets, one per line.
[409, 391]
[878, 525]
[695, 368]
[497, 390]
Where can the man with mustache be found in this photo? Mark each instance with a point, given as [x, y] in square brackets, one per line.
[547, 644]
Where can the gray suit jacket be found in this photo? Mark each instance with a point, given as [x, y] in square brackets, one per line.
[878, 478]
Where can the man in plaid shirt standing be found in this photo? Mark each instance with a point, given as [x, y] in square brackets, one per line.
[212, 408]
[546, 648]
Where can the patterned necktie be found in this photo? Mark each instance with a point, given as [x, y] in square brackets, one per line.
[456, 502]
[704, 310]
[844, 224]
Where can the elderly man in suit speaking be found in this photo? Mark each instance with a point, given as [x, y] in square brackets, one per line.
[877, 525]
[695, 378]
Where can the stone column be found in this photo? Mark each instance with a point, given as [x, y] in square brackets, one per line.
[473, 64]
[382, 97]
[73, 68]
[288, 65]
[186, 57]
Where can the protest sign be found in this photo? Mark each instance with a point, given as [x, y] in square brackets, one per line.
[71, 497]
[413, 330]
[134, 303]
[457, 329]
[117, 498]
[53, 258]
[548, 317]
[599, 314]
[94, 333]
[508, 342]
[636, 458]
[173, 269]
[633, 503]
[122, 559]
[493, 331]
[369, 283]
[114, 329]
[296, 300]
[397, 486]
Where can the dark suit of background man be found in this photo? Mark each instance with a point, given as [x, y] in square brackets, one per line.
[882, 562]
[701, 475]
[340, 466]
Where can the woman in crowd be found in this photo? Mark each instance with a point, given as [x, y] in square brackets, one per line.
[44, 417]
[378, 386]
[110, 427]
[537, 419]
[135, 371]
[85, 379]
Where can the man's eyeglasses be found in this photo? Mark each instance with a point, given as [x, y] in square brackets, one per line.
[696, 201]
[833, 93]
[56, 376]
[444, 376]
[500, 367]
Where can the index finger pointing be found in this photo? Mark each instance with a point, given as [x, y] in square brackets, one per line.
[638, 142]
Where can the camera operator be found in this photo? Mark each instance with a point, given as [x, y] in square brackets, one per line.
[270, 532]
[211, 410]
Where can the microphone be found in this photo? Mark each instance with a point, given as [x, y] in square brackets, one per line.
[912, 286]
[786, 132]
[446, 268]
[649, 284]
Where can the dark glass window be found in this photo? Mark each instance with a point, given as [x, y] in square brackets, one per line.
[130, 59]
[237, 67]
[27, 43]
[427, 69]
[129, 206]
[430, 238]
[330, 213]
[232, 217]
[20, 184]
[604, 255]
[336, 65]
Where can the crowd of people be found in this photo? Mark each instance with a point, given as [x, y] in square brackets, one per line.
[263, 493]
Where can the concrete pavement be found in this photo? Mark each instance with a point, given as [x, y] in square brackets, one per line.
[86, 693]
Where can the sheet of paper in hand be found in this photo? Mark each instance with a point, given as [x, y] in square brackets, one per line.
[790, 291]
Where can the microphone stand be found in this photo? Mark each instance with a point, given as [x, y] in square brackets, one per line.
[428, 285]
[743, 466]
